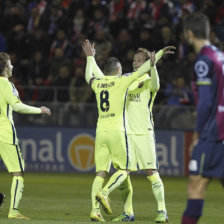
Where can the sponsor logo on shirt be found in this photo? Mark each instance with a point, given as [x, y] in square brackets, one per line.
[134, 97]
[201, 69]
[107, 116]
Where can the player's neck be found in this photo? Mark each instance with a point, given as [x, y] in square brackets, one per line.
[199, 43]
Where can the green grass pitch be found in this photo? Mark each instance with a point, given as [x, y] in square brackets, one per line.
[65, 198]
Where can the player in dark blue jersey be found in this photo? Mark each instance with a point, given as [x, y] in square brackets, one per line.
[207, 160]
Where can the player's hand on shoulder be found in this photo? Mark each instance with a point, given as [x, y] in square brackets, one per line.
[45, 110]
[169, 50]
[88, 48]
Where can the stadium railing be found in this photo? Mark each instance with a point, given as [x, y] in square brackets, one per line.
[84, 114]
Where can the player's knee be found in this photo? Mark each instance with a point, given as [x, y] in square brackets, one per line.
[150, 172]
[101, 174]
[197, 186]
[18, 174]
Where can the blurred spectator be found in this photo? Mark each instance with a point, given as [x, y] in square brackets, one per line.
[38, 69]
[103, 45]
[77, 28]
[116, 9]
[135, 8]
[168, 39]
[117, 19]
[57, 20]
[98, 21]
[63, 43]
[39, 41]
[14, 14]
[79, 93]
[74, 6]
[37, 76]
[122, 44]
[62, 82]
[17, 42]
[146, 40]
[37, 18]
[56, 62]
[209, 8]
[178, 93]
[161, 9]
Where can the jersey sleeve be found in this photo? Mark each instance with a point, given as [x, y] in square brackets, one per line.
[11, 94]
[96, 70]
[203, 71]
[203, 79]
[89, 69]
[131, 77]
[128, 78]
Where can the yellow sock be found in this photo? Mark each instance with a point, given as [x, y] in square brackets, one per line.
[126, 194]
[16, 192]
[96, 187]
[158, 190]
[115, 181]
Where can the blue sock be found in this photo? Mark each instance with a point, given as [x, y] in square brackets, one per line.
[193, 210]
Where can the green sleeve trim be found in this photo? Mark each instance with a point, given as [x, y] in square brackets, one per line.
[203, 83]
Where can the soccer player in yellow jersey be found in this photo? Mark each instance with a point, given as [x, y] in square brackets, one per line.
[10, 151]
[140, 132]
[111, 136]
[140, 129]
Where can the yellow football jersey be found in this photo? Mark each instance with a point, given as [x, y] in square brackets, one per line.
[140, 99]
[111, 92]
[8, 97]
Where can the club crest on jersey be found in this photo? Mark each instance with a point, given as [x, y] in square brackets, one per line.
[201, 69]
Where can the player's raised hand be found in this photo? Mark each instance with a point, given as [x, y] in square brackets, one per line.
[93, 48]
[169, 50]
[45, 110]
[152, 56]
[87, 48]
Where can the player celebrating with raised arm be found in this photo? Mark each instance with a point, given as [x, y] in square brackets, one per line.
[207, 160]
[111, 137]
[140, 129]
[9, 149]
[140, 98]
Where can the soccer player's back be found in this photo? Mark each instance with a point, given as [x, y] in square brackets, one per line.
[111, 97]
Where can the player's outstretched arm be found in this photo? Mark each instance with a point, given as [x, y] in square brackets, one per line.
[166, 50]
[154, 84]
[96, 70]
[45, 110]
[89, 52]
[26, 109]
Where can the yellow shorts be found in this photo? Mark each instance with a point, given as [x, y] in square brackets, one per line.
[112, 147]
[12, 157]
[143, 147]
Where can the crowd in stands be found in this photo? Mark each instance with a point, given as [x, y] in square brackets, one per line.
[43, 38]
